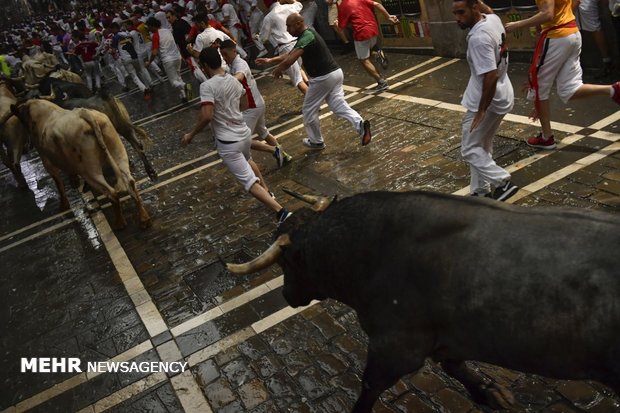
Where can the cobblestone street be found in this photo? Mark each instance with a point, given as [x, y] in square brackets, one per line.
[74, 287]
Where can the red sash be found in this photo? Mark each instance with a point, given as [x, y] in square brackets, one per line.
[533, 71]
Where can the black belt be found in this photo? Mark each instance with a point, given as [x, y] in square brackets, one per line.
[226, 142]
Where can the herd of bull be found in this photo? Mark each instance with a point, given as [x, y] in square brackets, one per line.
[429, 275]
[57, 122]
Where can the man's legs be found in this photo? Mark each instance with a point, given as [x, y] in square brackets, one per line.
[476, 150]
[337, 103]
[362, 50]
[236, 157]
[317, 92]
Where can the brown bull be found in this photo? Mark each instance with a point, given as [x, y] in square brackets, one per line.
[81, 142]
[13, 135]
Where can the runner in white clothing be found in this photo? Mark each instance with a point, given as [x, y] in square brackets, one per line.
[274, 30]
[165, 47]
[222, 98]
[208, 37]
[254, 115]
[488, 97]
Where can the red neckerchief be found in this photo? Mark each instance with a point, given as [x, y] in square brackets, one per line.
[533, 71]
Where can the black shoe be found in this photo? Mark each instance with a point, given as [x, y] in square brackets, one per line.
[505, 191]
[487, 195]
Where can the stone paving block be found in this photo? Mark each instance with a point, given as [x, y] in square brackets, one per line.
[205, 372]
[452, 401]
[253, 393]
[296, 361]
[313, 383]
[226, 356]
[238, 372]
[412, 403]
[334, 403]
[127, 378]
[427, 381]
[578, 392]
[327, 326]
[253, 348]
[609, 186]
[198, 338]
[268, 407]
[613, 175]
[281, 385]
[350, 383]
[219, 393]
[267, 365]
[233, 407]
[331, 364]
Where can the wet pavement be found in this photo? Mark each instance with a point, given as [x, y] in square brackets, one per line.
[75, 288]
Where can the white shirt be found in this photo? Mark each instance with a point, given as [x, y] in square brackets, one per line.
[161, 16]
[249, 84]
[274, 24]
[207, 37]
[485, 42]
[229, 11]
[168, 50]
[224, 92]
[309, 12]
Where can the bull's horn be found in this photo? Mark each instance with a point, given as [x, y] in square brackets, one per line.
[264, 260]
[319, 203]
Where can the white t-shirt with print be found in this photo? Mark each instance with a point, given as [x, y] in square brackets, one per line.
[486, 51]
[224, 92]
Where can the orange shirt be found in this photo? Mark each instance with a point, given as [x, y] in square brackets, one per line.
[563, 13]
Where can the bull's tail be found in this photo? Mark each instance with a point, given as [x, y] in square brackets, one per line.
[121, 111]
[85, 114]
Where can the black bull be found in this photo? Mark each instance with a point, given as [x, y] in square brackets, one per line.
[457, 278]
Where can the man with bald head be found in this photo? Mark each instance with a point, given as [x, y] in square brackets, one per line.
[325, 82]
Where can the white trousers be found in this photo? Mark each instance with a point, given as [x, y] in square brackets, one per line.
[236, 156]
[133, 67]
[173, 71]
[326, 88]
[477, 151]
[92, 69]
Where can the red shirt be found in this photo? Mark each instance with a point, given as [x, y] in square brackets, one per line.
[361, 15]
[86, 50]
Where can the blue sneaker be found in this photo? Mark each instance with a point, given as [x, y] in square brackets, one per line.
[277, 153]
